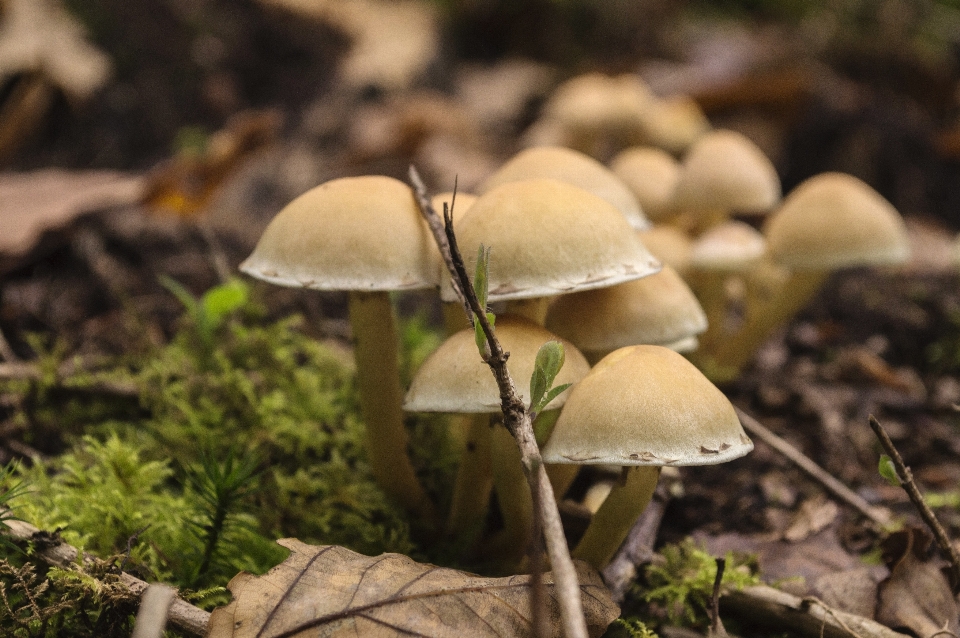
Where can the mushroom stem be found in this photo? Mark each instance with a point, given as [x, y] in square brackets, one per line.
[612, 522]
[376, 350]
[710, 289]
[513, 496]
[471, 489]
[735, 352]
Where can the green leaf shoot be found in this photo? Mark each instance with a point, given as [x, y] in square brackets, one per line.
[888, 470]
[549, 360]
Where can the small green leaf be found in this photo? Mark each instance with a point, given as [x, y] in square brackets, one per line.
[221, 300]
[549, 360]
[481, 336]
[888, 470]
[551, 395]
[182, 294]
[481, 276]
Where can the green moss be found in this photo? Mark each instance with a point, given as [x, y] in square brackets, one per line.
[231, 389]
[683, 583]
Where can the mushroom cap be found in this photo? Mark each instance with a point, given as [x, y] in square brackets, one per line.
[354, 233]
[547, 238]
[659, 309]
[673, 123]
[598, 102]
[572, 167]
[724, 170]
[646, 405]
[669, 244]
[834, 220]
[651, 174]
[455, 379]
[732, 246]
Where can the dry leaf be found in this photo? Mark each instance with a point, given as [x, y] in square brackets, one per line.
[48, 199]
[917, 595]
[332, 591]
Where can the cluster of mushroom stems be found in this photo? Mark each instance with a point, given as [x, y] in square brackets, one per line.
[626, 265]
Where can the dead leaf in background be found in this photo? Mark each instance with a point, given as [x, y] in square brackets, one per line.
[39, 35]
[332, 591]
[815, 515]
[917, 595]
[31, 203]
[186, 184]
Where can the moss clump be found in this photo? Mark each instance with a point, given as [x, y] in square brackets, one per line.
[244, 431]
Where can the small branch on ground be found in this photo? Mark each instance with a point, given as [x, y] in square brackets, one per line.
[182, 614]
[880, 516]
[807, 617]
[517, 420]
[910, 487]
[637, 547]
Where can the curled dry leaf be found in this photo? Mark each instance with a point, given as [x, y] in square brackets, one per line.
[917, 595]
[330, 590]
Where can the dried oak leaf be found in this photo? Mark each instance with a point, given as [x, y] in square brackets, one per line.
[332, 591]
[917, 595]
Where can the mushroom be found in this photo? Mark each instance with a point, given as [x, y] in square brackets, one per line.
[572, 167]
[454, 379]
[651, 174]
[725, 172]
[828, 222]
[364, 235]
[641, 407]
[670, 245]
[659, 309]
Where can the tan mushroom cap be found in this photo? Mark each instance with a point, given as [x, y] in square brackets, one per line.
[724, 170]
[354, 233]
[732, 246]
[834, 220]
[598, 102]
[659, 309]
[651, 174]
[547, 238]
[646, 405]
[669, 244]
[673, 123]
[572, 167]
[454, 379]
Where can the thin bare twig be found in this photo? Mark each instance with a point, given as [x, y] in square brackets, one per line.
[878, 515]
[517, 420]
[910, 487]
[717, 629]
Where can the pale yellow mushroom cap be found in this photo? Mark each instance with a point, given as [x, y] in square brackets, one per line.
[732, 246]
[455, 379]
[572, 167]
[659, 309]
[724, 170]
[834, 220]
[646, 405]
[669, 244]
[651, 174]
[354, 233]
[673, 123]
[547, 238]
[599, 103]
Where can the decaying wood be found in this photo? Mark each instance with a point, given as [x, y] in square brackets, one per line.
[773, 608]
[517, 419]
[182, 614]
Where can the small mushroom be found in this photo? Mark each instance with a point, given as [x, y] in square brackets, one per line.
[641, 407]
[364, 235]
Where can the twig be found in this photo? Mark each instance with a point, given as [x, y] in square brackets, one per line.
[154, 608]
[182, 614]
[910, 487]
[517, 420]
[878, 515]
[716, 625]
[802, 616]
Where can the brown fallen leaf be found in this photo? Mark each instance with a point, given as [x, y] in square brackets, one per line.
[32, 203]
[917, 595]
[332, 591]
